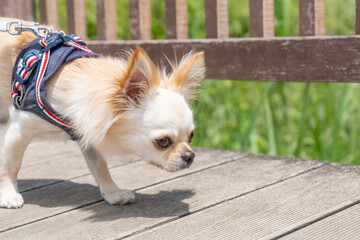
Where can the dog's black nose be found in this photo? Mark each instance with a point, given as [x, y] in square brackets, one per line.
[188, 157]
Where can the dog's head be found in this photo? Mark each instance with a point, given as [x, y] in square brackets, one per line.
[157, 117]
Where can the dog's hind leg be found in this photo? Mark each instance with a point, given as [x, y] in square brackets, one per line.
[110, 192]
[15, 142]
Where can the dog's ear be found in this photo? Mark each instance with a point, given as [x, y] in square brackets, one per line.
[188, 74]
[141, 76]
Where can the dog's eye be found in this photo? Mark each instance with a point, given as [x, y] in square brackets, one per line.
[164, 142]
[191, 136]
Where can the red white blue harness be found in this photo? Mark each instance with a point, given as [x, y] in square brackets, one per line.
[35, 65]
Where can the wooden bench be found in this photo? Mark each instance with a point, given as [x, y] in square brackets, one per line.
[225, 194]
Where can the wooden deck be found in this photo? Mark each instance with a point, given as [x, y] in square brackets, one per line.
[225, 194]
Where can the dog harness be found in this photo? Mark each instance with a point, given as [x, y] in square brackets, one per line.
[35, 65]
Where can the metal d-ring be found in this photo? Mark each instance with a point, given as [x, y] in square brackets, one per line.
[10, 24]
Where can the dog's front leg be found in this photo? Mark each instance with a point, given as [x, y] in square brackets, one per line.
[110, 192]
[16, 140]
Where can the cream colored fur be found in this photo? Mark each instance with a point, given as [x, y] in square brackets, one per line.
[116, 105]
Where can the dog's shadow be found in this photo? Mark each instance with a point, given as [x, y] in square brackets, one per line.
[86, 197]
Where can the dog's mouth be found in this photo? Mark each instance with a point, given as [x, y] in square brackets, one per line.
[171, 167]
[156, 165]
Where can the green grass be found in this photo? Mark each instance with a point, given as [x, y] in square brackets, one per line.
[307, 120]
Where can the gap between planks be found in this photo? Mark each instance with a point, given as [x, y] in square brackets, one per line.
[286, 172]
[343, 225]
[318, 217]
[223, 201]
[286, 211]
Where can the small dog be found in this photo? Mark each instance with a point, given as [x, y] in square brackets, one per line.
[114, 104]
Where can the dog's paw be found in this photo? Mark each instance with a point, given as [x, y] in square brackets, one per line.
[119, 197]
[11, 200]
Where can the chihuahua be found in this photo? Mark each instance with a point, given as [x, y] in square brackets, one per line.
[125, 105]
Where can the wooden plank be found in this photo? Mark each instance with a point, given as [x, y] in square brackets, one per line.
[343, 225]
[3, 8]
[7, 8]
[217, 18]
[140, 19]
[176, 19]
[106, 19]
[261, 18]
[310, 59]
[10, 8]
[312, 17]
[25, 9]
[49, 12]
[76, 20]
[73, 192]
[357, 16]
[270, 212]
[155, 205]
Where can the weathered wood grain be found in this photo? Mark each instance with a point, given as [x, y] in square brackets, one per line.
[6, 8]
[106, 19]
[76, 17]
[261, 18]
[10, 8]
[272, 211]
[216, 18]
[176, 19]
[140, 19]
[303, 59]
[27, 9]
[342, 225]
[357, 17]
[49, 12]
[312, 17]
[157, 204]
[80, 191]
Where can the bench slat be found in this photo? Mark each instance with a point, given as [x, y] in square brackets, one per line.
[312, 17]
[10, 8]
[6, 9]
[49, 12]
[106, 19]
[357, 21]
[342, 225]
[192, 190]
[271, 212]
[26, 11]
[176, 19]
[217, 18]
[261, 18]
[140, 19]
[77, 191]
[76, 17]
[277, 59]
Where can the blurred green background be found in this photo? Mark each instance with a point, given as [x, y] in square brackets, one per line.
[307, 120]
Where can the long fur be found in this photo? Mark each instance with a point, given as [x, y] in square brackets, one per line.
[115, 105]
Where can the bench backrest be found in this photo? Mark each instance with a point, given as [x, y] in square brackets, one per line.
[261, 57]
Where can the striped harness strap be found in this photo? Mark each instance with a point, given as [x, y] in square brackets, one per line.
[38, 61]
